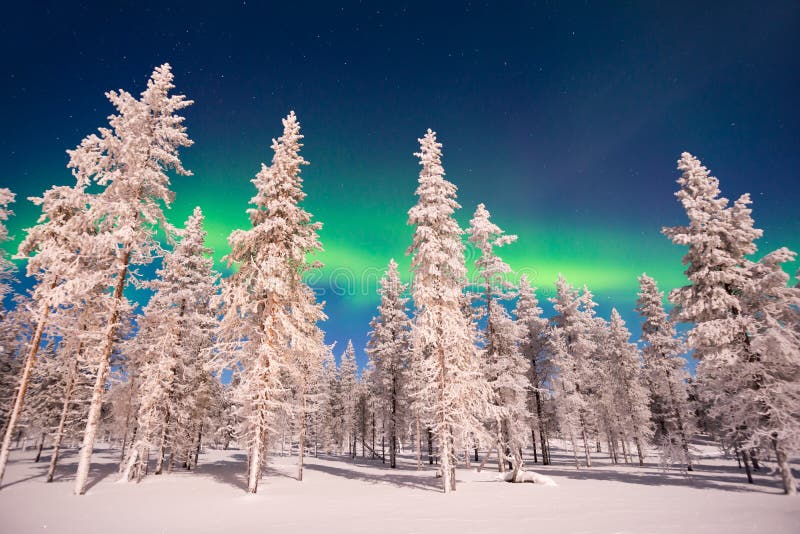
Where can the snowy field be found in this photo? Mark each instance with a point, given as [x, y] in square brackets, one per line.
[339, 496]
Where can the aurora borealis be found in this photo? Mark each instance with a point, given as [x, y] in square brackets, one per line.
[565, 119]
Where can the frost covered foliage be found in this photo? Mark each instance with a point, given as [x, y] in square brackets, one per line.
[6, 267]
[453, 391]
[769, 379]
[718, 238]
[388, 348]
[631, 398]
[505, 368]
[130, 161]
[573, 345]
[67, 262]
[533, 343]
[170, 349]
[665, 375]
[348, 391]
[744, 319]
[8, 333]
[268, 308]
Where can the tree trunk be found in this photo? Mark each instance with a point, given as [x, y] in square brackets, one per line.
[62, 422]
[623, 440]
[199, 444]
[173, 453]
[162, 450]
[638, 443]
[754, 459]
[130, 465]
[612, 453]
[533, 441]
[448, 480]
[501, 447]
[39, 450]
[516, 465]
[575, 451]
[430, 446]
[393, 424]
[789, 484]
[373, 434]
[418, 442]
[98, 392]
[254, 467]
[746, 462]
[142, 456]
[302, 436]
[24, 379]
[586, 451]
[681, 426]
[127, 426]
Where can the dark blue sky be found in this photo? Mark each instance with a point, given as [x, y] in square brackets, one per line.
[565, 118]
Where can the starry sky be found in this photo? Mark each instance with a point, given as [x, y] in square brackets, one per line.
[564, 118]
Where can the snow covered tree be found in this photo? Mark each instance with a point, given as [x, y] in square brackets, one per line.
[570, 404]
[6, 267]
[505, 368]
[348, 381]
[130, 160]
[79, 328]
[8, 332]
[632, 399]
[320, 429]
[573, 347]
[333, 431]
[664, 371]
[388, 348]
[533, 347]
[309, 356]
[768, 391]
[266, 308]
[718, 237]
[66, 262]
[175, 330]
[455, 392]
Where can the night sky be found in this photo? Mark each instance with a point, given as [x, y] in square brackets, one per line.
[565, 119]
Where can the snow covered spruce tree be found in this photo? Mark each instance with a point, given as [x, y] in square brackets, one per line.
[533, 347]
[665, 375]
[455, 391]
[718, 237]
[348, 383]
[334, 431]
[388, 348]
[67, 264]
[309, 354]
[504, 366]
[629, 392]
[175, 329]
[744, 320]
[572, 346]
[769, 380]
[130, 159]
[79, 328]
[6, 267]
[8, 360]
[266, 307]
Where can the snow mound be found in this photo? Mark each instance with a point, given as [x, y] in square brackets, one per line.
[528, 476]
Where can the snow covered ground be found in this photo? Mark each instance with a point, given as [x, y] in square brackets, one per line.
[338, 495]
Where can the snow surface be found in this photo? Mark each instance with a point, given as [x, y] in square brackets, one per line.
[338, 495]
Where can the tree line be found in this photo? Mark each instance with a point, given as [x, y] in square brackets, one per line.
[454, 366]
